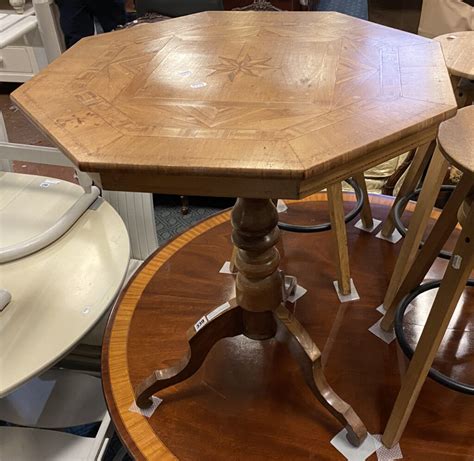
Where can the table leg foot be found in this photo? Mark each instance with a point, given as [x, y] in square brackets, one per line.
[216, 325]
[309, 358]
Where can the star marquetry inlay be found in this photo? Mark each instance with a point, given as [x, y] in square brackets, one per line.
[246, 66]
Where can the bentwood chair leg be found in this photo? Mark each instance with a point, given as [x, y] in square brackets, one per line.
[366, 213]
[450, 291]
[421, 159]
[436, 173]
[440, 233]
[338, 226]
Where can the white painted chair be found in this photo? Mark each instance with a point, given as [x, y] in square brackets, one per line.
[30, 38]
[95, 251]
[42, 405]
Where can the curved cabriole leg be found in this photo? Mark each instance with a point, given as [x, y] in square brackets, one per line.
[202, 336]
[309, 358]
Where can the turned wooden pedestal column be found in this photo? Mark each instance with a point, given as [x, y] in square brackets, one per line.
[257, 312]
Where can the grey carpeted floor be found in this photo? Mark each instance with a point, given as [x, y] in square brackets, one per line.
[170, 221]
[357, 8]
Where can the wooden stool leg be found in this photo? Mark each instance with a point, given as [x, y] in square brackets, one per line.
[433, 245]
[336, 212]
[366, 213]
[450, 291]
[421, 159]
[434, 179]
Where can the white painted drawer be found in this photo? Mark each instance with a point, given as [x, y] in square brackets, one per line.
[15, 59]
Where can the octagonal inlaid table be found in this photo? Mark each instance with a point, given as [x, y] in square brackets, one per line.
[253, 105]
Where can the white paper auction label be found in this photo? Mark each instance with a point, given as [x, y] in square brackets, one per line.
[200, 323]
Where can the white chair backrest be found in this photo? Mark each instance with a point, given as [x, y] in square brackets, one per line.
[136, 209]
[48, 22]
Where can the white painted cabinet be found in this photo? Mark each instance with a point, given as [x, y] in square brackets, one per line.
[30, 38]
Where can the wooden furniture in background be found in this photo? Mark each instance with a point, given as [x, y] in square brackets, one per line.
[458, 50]
[456, 146]
[252, 105]
[253, 394]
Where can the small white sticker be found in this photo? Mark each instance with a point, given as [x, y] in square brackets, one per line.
[225, 269]
[299, 292]
[49, 182]
[200, 323]
[281, 206]
[198, 85]
[217, 311]
[457, 261]
[147, 412]
[184, 73]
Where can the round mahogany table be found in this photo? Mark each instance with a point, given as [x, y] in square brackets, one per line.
[249, 399]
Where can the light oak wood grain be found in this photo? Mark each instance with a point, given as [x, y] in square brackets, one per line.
[450, 291]
[338, 230]
[456, 140]
[458, 50]
[418, 166]
[252, 99]
[436, 173]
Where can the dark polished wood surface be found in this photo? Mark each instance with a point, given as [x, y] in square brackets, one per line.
[249, 399]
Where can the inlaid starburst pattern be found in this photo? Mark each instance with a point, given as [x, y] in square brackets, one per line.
[246, 66]
[274, 97]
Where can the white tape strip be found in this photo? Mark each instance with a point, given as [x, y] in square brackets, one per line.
[352, 296]
[211, 316]
[394, 238]
[387, 454]
[147, 412]
[299, 292]
[369, 446]
[218, 310]
[386, 336]
[360, 225]
[225, 269]
[383, 311]
[49, 182]
[281, 206]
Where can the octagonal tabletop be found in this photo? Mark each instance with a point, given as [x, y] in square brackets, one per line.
[241, 104]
